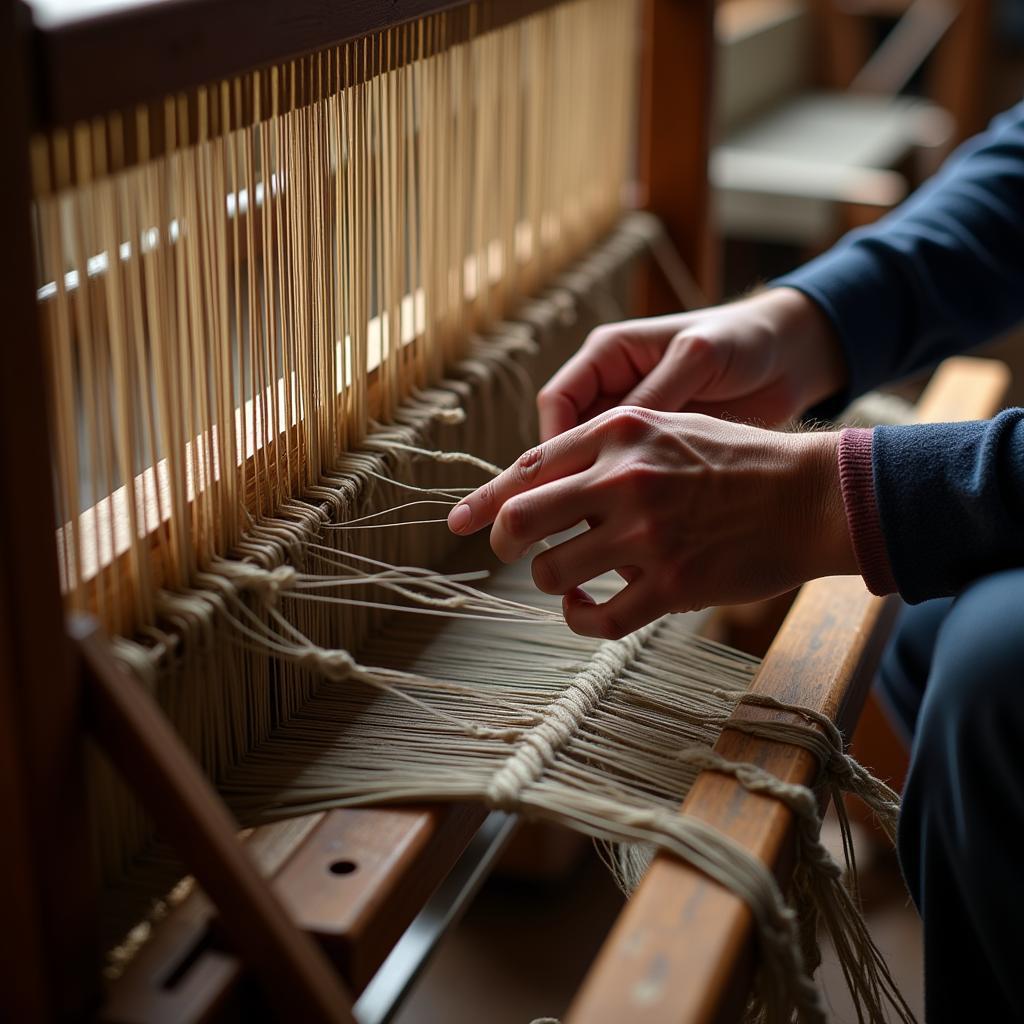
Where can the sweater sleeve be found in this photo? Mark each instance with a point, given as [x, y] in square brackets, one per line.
[950, 499]
[941, 273]
[857, 480]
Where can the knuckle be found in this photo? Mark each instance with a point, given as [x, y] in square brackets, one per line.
[692, 346]
[648, 533]
[487, 494]
[609, 626]
[627, 424]
[546, 575]
[515, 518]
[652, 538]
[599, 336]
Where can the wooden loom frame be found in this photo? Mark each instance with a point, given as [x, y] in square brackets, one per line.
[57, 683]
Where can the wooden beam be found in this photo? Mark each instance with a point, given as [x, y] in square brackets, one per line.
[359, 880]
[91, 62]
[675, 136]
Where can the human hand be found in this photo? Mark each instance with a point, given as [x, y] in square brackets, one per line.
[692, 511]
[764, 359]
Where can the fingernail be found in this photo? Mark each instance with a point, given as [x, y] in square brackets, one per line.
[459, 518]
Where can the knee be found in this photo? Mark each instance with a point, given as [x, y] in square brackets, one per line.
[976, 679]
[968, 750]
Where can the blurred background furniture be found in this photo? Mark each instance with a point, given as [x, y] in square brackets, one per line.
[828, 115]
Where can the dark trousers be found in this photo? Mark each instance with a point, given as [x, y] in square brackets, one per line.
[953, 677]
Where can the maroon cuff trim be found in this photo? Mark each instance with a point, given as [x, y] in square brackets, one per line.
[856, 478]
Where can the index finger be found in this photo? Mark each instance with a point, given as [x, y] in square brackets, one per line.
[569, 453]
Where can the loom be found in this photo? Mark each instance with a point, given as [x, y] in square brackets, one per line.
[282, 281]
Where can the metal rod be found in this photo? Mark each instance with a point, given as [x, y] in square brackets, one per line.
[389, 986]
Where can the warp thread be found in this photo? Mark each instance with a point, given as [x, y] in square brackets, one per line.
[789, 939]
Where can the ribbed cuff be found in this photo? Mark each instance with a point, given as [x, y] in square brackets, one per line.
[856, 478]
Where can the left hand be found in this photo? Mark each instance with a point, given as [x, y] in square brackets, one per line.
[691, 511]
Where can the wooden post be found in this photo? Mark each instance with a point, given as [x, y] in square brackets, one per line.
[47, 886]
[675, 135]
[959, 76]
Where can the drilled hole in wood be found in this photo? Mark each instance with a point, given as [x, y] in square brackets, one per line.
[342, 867]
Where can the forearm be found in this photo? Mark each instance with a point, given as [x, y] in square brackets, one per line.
[939, 274]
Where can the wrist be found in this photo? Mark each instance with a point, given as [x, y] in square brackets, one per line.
[808, 344]
[822, 531]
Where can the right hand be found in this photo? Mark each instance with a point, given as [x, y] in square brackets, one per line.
[763, 359]
[691, 511]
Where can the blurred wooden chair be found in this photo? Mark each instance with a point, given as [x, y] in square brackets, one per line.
[948, 40]
[815, 132]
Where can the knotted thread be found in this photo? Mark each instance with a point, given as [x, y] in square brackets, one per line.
[843, 773]
[560, 720]
[453, 417]
[819, 894]
[462, 458]
[265, 583]
[338, 666]
[789, 984]
[334, 664]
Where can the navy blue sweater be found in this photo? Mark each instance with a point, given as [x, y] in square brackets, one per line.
[939, 275]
